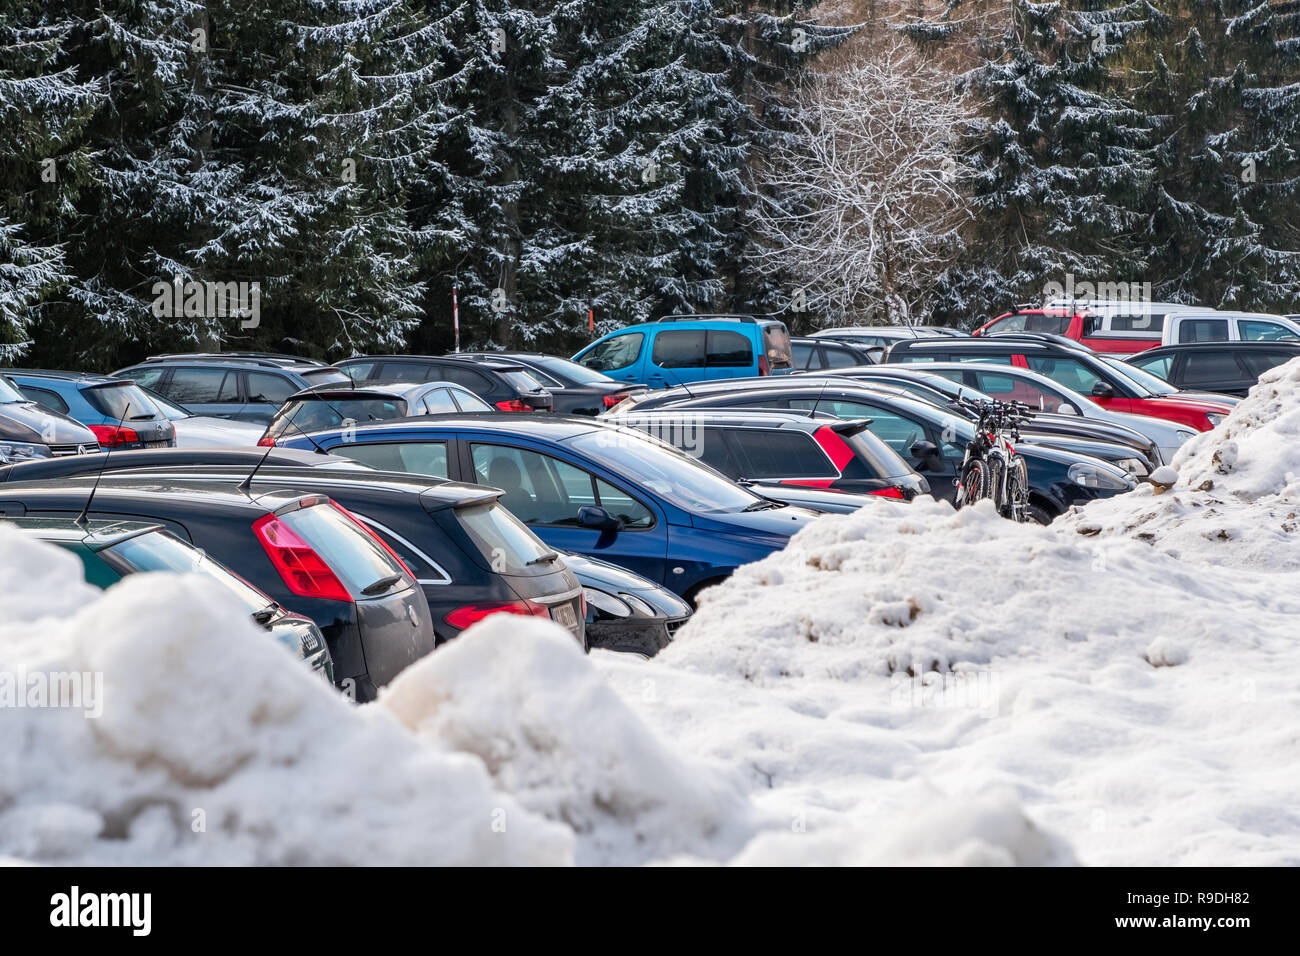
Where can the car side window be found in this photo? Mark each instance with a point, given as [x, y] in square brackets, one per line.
[358, 371]
[412, 457]
[1203, 330]
[45, 398]
[268, 388]
[1255, 330]
[679, 348]
[773, 453]
[838, 357]
[191, 386]
[805, 356]
[1209, 368]
[148, 377]
[614, 353]
[542, 490]
[467, 377]
[728, 350]
[1014, 389]
[1012, 323]
[1069, 372]
[437, 401]
[1157, 365]
[1259, 362]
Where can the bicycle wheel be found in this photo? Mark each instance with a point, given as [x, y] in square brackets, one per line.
[1018, 491]
[976, 483]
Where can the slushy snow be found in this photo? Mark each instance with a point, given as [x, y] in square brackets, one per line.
[903, 685]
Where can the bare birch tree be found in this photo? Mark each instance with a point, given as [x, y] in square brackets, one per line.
[863, 205]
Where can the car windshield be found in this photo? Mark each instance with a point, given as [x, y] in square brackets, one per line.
[122, 400]
[316, 413]
[1145, 380]
[569, 371]
[665, 471]
[10, 393]
[161, 551]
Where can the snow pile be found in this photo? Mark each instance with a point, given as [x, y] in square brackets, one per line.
[1237, 498]
[522, 697]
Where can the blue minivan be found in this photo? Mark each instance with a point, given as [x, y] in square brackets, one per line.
[585, 486]
[691, 348]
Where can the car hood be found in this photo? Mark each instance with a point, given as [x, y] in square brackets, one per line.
[1186, 404]
[203, 432]
[768, 523]
[1214, 398]
[29, 422]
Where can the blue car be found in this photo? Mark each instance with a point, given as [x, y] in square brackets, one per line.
[117, 410]
[587, 487]
[691, 348]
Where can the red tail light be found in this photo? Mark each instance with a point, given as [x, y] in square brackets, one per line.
[612, 400]
[266, 441]
[303, 571]
[111, 436]
[514, 405]
[762, 365]
[371, 532]
[887, 493]
[463, 617]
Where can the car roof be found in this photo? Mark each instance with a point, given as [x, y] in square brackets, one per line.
[775, 418]
[889, 331]
[98, 533]
[550, 427]
[385, 390]
[1286, 344]
[242, 359]
[88, 377]
[455, 358]
[214, 495]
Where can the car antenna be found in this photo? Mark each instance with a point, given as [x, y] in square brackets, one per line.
[314, 444]
[83, 519]
[247, 483]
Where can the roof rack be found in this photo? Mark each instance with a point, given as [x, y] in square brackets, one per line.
[709, 317]
[265, 359]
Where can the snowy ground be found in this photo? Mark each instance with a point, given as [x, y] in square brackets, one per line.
[901, 685]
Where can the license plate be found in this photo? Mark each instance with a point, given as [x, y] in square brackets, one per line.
[565, 616]
[155, 444]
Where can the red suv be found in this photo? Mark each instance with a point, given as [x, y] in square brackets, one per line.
[1109, 334]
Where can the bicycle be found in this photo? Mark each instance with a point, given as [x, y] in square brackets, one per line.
[990, 467]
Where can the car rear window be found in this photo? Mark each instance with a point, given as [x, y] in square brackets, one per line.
[1153, 322]
[122, 400]
[521, 381]
[312, 414]
[352, 554]
[564, 369]
[325, 376]
[872, 458]
[1055, 324]
[773, 453]
[162, 551]
[504, 541]
[776, 344]
[1259, 361]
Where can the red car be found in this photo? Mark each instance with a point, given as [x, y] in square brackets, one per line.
[1107, 381]
[1109, 332]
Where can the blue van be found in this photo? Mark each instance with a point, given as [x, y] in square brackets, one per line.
[691, 348]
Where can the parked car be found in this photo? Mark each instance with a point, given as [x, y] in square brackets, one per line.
[930, 439]
[112, 550]
[29, 431]
[575, 389]
[326, 406]
[119, 414]
[811, 354]
[877, 336]
[1112, 327]
[304, 551]
[1055, 402]
[204, 431]
[626, 612]
[506, 386]
[586, 487]
[245, 386]
[801, 449]
[245, 457]
[1202, 326]
[691, 348]
[1231, 368]
[1077, 368]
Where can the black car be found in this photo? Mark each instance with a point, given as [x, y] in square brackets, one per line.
[808, 449]
[244, 386]
[1231, 368]
[304, 551]
[575, 389]
[811, 354]
[29, 431]
[932, 440]
[626, 612]
[178, 458]
[506, 385]
[325, 406]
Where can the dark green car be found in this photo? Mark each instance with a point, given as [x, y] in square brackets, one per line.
[110, 550]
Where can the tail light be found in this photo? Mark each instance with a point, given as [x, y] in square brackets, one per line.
[514, 405]
[111, 436]
[463, 617]
[266, 441]
[303, 571]
[370, 532]
[762, 365]
[887, 493]
[612, 400]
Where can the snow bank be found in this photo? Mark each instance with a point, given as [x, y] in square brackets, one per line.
[1237, 499]
[523, 698]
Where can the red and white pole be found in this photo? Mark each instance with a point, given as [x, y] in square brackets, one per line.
[455, 317]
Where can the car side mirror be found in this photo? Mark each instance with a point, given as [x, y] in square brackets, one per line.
[1103, 390]
[924, 450]
[597, 518]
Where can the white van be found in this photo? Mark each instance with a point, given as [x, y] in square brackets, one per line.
[1201, 326]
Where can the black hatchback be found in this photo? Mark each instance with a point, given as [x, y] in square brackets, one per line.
[1231, 368]
[575, 389]
[506, 385]
[304, 551]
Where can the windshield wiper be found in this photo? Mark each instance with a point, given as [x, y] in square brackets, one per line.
[546, 558]
[762, 504]
[263, 616]
[382, 585]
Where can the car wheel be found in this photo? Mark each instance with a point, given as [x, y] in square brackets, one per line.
[1039, 514]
